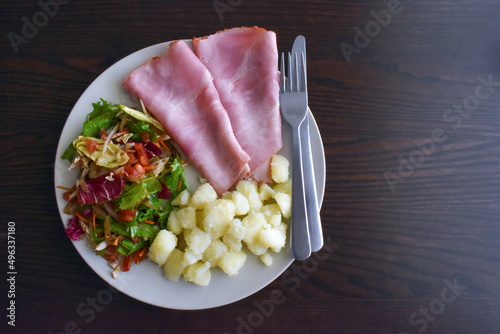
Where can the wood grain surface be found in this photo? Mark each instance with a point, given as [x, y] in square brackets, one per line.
[410, 119]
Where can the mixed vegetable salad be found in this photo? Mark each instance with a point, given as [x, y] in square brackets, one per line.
[129, 172]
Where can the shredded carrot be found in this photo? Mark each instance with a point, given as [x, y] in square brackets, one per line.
[140, 255]
[93, 220]
[118, 134]
[117, 240]
[163, 144]
[148, 222]
[179, 185]
[148, 167]
[81, 217]
[63, 187]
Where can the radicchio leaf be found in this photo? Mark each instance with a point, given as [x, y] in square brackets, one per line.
[74, 230]
[103, 188]
[164, 193]
[152, 149]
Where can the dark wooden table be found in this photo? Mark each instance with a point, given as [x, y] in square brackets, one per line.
[407, 98]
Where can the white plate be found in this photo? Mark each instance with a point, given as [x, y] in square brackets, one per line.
[146, 281]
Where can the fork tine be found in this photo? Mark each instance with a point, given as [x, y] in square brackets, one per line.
[282, 74]
[289, 81]
[302, 86]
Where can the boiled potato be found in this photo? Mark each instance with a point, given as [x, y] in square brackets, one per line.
[272, 212]
[253, 223]
[216, 217]
[265, 192]
[285, 203]
[272, 238]
[197, 240]
[214, 252]
[203, 195]
[249, 189]
[257, 248]
[162, 246]
[285, 187]
[182, 199]
[173, 223]
[241, 204]
[187, 217]
[279, 168]
[198, 273]
[232, 242]
[205, 230]
[232, 261]
[267, 259]
[190, 257]
[236, 229]
[174, 267]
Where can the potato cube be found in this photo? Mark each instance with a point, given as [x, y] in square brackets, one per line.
[284, 187]
[272, 238]
[197, 240]
[216, 217]
[190, 257]
[267, 259]
[282, 227]
[241, 204]
[198, 273]
[174, 267]
[232, 242]
[272, 212]
[285, 203]
[253, 223]
[173, 223]
[249, 189]
[279, 168]
[187, 217]
[257, 248]
[214, 252]
[182, 199]
[232, 262]
[265, 192]
[162, 246]
[203, 195]
[227, 195]
[236, 229]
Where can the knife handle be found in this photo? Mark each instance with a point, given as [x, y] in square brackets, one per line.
[312, 207]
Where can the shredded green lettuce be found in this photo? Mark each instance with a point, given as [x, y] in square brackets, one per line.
[101, 117]
[139, 115]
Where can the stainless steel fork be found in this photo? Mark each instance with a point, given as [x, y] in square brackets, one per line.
[293, 100]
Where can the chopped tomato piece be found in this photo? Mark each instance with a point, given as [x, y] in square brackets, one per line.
[144, 136]
[141, 153]
[91, 145]
[132, 159]
[127, 214]
[140, 255]
[127, 261]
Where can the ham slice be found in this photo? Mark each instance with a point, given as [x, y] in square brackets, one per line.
[178, 90]
[244, 66]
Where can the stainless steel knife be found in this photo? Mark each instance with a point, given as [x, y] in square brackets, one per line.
[313, 216]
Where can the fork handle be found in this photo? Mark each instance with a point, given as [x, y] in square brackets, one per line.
[300, 243]
[313, 217]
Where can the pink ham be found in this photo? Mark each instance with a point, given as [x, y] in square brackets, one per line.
[178, 90]
[244, 66]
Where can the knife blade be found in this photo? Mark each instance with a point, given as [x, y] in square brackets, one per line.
[312, 207]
